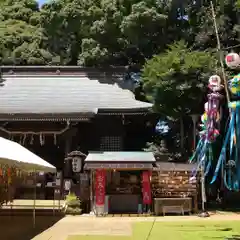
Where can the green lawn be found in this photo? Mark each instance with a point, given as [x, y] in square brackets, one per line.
[199, 230]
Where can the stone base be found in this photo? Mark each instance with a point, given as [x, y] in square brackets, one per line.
[204, 214]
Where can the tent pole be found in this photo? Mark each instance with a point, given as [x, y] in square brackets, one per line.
[54, 188]
[59, 193]
[34, 201]
[59, 203]
[54, 202]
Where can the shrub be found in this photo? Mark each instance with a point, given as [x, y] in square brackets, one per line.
[73, 204]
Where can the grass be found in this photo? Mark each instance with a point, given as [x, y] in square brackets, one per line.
[199, 230]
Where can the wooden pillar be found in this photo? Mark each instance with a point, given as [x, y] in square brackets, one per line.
[195, 203]
[68, 143]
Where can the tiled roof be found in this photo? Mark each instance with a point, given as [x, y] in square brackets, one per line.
[63, 95]
[123, 157]
[170, 166]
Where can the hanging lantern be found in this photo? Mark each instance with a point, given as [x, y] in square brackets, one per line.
[76, 164]
[214, 83]
[9, 177]
[232, 60]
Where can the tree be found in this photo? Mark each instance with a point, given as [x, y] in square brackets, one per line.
[65, 24]
[107, 32]
[125, 32]
[201, 27]
[238, 4]
[175, 81]
[20, 35]
[237, 27]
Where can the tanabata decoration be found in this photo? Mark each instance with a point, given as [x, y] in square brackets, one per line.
[10, 177]
[6, 181]
[229, 162]
[203, 155]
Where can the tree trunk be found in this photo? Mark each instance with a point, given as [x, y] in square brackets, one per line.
[181, 134]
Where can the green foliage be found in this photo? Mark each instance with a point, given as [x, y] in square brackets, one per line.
[73, 211]
[175, 80]
[71, 197]
[73, 204]
[76, 203]
[89, 33]
[107, 32]
[238, 4]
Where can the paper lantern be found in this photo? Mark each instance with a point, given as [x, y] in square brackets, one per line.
[76, 164]
[214, 80]
[215, 83]
[232, 60]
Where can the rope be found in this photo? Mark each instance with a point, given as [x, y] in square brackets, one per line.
[40, 133]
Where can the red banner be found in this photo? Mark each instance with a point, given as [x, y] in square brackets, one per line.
[100, 187]
[146, 187]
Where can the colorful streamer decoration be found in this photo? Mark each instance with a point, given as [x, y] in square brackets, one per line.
[229, 161]
[203, 154]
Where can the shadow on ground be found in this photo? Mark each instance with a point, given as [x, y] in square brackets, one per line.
[21, 228]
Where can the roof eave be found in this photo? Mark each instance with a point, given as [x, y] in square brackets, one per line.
[125, 111]
[46, 117]
[70, 116]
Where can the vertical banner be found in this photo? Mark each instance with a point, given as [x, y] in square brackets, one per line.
[146, 187]
[100, 187]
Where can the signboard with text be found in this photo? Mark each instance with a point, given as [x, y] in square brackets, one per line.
[146, 187]
[100, 187]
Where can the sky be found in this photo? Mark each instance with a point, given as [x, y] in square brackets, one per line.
[41, 2]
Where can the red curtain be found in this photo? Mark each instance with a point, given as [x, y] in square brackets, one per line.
[146, 187]
[100, 186]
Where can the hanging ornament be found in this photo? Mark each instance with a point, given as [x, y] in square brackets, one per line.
[20, 140]
[55, 139]
[41, 139]
[32, 140]
[11, 137]
[24, 139]
[9, 176]
[232, 60]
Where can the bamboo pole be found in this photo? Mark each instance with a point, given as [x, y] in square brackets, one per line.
[220, 52]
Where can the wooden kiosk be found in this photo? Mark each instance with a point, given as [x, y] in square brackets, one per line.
[120, 177]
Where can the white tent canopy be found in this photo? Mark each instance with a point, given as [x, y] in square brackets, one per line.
[15, 155]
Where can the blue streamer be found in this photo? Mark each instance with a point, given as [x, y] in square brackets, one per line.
[237, 145]
[198, 149]
[210, 160]
[226, 182]
[224, 148]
